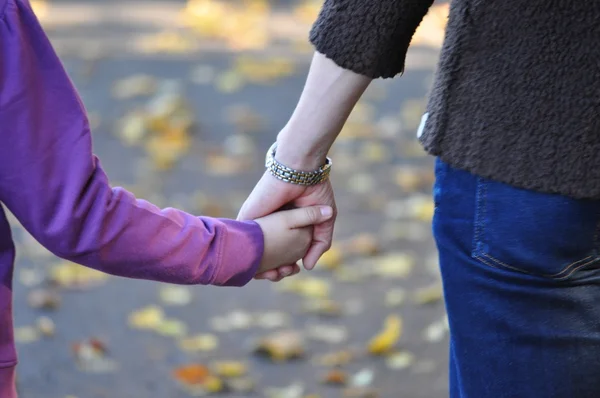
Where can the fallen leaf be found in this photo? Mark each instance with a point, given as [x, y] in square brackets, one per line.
[331, 259]
[198, 378]
[241, 385]
[229, 369]
[271, 320]
[388, 337]
[338, 358]
[171, 327]
[26, 334]
[201, 342]
[335, 377]
[134, 86]
[400, 360]
[70, 275]
[394, 265]
[364, 244]
[436, 331]
[395, 297]
[46, 326]
[148, 318]
[91, 356]
[295, 390]
[175, 295]
[323, 307]
[327, 333]
[44, 299]
[282, 346]
[363, 378]
[306, 286]
[429, 294]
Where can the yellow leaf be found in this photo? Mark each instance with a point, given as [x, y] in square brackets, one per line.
[68, 274]
[331, 259]
[146, 318]
[201, 342]
[388, 337]
[171, 327]
[229, 368]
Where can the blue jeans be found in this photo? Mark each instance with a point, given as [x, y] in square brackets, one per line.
[521, 274]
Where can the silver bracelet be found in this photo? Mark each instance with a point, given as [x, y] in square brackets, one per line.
[298, 177]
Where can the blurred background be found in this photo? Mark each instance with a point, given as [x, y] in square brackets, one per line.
[184, 99]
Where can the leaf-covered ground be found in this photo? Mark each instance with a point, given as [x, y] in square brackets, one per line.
[184, 100]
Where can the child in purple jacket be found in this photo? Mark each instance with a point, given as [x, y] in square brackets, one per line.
[54, 185]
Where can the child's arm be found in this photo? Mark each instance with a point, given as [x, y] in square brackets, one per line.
[54, 185]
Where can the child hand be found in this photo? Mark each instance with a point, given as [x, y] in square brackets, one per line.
[288, 234]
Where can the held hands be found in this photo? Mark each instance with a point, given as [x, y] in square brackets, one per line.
[288, 236]
[271, 194]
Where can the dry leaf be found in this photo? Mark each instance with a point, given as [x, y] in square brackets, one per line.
[70, 275]
[335, 377]
[295, 390]
[327, 333]
[324, 307]
[271, 320]
[364, 244]
[400, 360]
[338, 358]
[229, 369]
[393, 265]
[430, 294]
[171, 327]
[385, 341]
[201, 342]
[26, 334]
[91, 356]
[134, 86]
[44, 299]
[241, 385]
[331, 259]
[395, 297]
[175, 295]
[46, 326]
[282, 346]
[306, 286]
[147, 318]
[198, 378]
[363, 378]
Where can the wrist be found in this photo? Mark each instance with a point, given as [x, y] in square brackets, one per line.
[298, 152]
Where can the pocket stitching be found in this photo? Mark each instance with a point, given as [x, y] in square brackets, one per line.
[481, 207]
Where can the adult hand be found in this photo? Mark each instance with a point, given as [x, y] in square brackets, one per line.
[270, 195]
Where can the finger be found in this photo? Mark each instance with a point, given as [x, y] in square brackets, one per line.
[286, 270]
[322, 238]
[271, 274]
[306, 216]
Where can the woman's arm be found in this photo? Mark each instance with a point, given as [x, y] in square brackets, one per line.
[50, 180]
[355, 41]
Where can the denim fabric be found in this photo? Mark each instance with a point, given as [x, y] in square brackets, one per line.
[521, 274]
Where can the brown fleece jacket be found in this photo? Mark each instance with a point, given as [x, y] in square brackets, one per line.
[516, 96]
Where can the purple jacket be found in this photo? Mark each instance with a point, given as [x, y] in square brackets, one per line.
[54, 185]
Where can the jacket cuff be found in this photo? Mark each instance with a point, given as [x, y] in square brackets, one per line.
[241, 253]
[7, 382]
[370, 38]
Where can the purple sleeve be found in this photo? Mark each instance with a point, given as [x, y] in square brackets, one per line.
[50, 180]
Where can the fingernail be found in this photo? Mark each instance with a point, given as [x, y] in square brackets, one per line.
[326, 211]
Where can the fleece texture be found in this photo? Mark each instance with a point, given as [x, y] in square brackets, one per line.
[516, 97]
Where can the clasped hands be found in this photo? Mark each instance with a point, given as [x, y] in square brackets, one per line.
[305, 232]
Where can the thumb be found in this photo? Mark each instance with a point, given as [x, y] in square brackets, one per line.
[305, 216]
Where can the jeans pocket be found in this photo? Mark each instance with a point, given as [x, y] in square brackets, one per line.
[540, 234]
